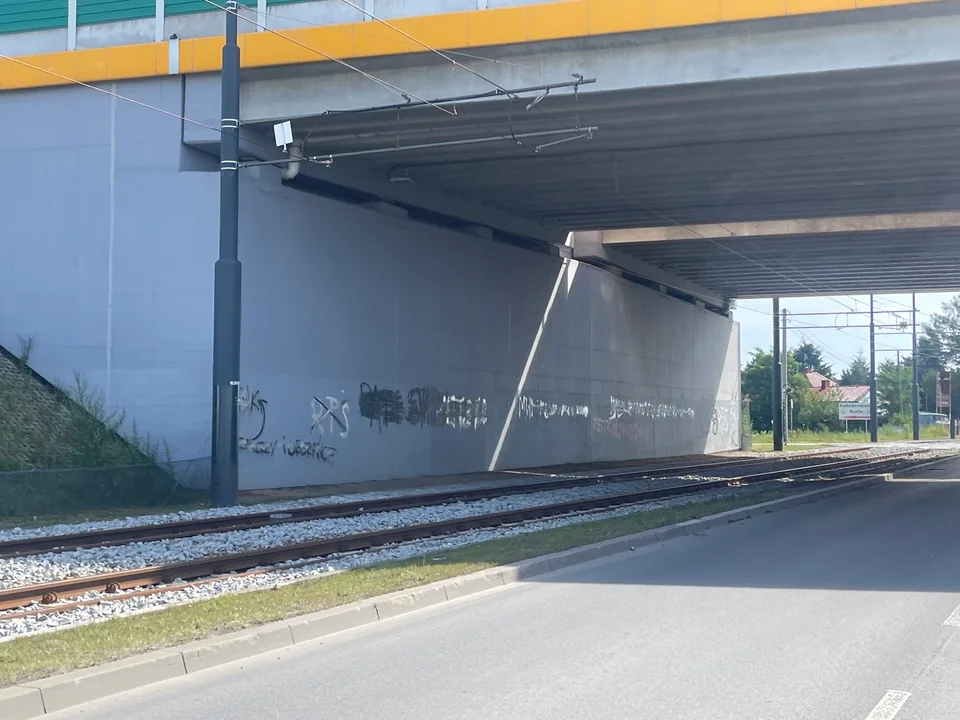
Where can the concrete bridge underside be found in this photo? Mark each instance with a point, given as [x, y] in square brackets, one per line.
[767, 121]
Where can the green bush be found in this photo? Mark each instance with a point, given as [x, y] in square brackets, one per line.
[63, 449]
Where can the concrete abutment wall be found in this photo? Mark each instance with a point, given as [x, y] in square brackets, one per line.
[373, 346]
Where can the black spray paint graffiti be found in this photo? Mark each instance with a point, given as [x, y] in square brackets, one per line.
[260, 447]
[250, 402]
[425, 406]
[383, 407]
[299, 448]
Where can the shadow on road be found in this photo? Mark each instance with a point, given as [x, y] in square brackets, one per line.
[901, 536]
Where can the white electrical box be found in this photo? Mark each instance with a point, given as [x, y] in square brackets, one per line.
[283, 133]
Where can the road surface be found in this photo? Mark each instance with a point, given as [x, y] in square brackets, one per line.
[838, 609]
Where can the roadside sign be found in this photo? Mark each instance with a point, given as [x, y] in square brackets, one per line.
[854, 411]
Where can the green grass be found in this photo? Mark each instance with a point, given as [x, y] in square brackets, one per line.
[886, 434]
[767, 445]
[64, 451]
[48, 654]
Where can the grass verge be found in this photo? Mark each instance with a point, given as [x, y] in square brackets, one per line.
[887, 433]
[768, 447]
[43, 655]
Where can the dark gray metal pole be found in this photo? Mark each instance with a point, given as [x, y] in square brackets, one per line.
[784, 365]
[916, 376]
[777, 380]
[874, 430]
[226, 283]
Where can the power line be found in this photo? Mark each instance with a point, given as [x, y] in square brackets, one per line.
[132, 101]
[886, 348]
[400, 91]
[440, 53]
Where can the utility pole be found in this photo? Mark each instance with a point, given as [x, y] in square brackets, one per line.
[916, 376]
[874, 434]
[777, 380]
[784, 365]
[224, 482]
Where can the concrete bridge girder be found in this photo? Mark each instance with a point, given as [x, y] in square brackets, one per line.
[710, 54]
[787, 119]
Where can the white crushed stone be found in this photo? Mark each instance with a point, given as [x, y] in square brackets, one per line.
[209, 513]
[83, 562]
[514, 478]
[48, 567]
[108, 609]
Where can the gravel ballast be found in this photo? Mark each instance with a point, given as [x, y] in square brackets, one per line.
[50, 567]
[115, 608]
[84, 562]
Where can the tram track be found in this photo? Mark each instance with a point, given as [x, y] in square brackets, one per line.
[34, 545]
[34, 598]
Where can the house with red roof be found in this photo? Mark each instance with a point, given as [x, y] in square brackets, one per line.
[823, 385]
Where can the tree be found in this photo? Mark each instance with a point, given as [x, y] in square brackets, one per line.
[817, 411]
[756, 382]
[895, 391]
[941, 337]
[810, 356]
[939, 350]
[858, 373]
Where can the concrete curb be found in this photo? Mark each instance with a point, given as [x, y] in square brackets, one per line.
[33, 699]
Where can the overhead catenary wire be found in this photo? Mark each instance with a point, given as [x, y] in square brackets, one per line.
[447, 57]
[880, 346]
[369, 76]
[405, 94]
[446, 54]
[535, 104]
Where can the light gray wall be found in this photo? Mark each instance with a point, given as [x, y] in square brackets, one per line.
[110, 229]
[339, 300]
[108, 251]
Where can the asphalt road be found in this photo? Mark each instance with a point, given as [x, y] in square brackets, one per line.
[833, 610]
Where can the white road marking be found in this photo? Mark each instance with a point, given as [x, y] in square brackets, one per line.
[924, 480]
[889, 706]
[954, 619]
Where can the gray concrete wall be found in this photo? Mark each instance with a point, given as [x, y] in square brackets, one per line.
[373, 346]
[108, 250]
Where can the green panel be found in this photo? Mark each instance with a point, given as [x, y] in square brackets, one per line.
[24, 15]
[101, 11]
[182, 7]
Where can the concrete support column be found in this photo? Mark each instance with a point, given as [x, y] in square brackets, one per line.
[261, 15]
[158, 20]
[71, 24]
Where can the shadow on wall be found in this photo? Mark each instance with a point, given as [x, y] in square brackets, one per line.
[445, 353]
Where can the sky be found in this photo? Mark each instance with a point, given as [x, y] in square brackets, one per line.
[838, 346]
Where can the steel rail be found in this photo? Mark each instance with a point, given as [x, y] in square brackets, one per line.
[208, 526]
[48, 593]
